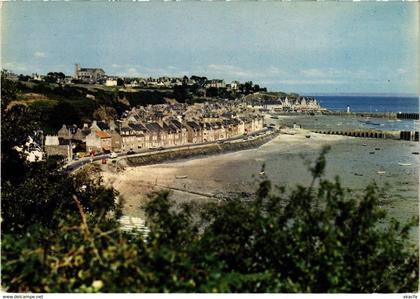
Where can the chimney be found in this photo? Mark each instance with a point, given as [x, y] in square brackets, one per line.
[112, 125]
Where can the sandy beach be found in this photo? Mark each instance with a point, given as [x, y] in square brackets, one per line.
[355, 160]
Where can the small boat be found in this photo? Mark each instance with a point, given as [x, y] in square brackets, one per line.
[381, 172]
[415, 153]
[364, 144]
[358, 174]
[404, 164]
[274, 117]
[371, 153]
[262, 173]
[372, 123]
[377, 148]
[181, 176]
[308, 136]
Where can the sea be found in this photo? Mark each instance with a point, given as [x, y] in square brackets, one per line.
[370, 103]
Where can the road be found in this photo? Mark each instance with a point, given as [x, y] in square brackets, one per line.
[76, 164]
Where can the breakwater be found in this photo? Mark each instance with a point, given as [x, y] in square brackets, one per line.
[387, 115]
[195, 151]
[397, 135]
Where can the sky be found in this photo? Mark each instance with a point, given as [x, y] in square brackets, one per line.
[303, 47]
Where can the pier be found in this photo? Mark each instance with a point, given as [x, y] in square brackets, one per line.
[396, 135]
[387, 115]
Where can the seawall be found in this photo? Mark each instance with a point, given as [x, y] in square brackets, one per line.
[196, 151]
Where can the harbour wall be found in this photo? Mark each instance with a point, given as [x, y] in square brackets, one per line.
[397, 135]
[387, 115]
[195, 151]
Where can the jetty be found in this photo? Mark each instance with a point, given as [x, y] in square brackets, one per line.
[387, 115]
[396, 135]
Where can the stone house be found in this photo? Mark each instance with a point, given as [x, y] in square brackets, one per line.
[157, 136]
[219, 131]
[181, 137]
[139, 132]
[208, 132]
[116, 141]
[98, 141]
[194, 132]
[53, 146]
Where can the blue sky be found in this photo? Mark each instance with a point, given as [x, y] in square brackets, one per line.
[322, 47]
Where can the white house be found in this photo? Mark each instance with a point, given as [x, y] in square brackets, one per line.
[111, 82]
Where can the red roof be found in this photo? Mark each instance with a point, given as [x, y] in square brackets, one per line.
[102, 134]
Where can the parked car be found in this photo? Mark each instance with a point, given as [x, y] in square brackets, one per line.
[160, 148]
[131, 152]
[114, 155]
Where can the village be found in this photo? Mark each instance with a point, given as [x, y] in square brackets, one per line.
[221, 111]
[156, 127]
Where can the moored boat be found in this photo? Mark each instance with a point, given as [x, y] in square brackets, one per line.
[181, 176]
[404, 164]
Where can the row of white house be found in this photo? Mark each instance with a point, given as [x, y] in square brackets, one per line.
[105, 137]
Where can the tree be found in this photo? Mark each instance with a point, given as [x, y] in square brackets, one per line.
[55, 77]
[24, 78]
[105, 113]
[63, 113]
[120, 82]
[181, 93]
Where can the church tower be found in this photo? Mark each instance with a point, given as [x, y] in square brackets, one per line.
[76, 70]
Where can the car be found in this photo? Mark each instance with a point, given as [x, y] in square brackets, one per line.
[160, 148]
[130, 152]
[114, 155]
[220, 141]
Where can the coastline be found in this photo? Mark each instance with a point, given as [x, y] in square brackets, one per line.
[209, 178]
[136, 181]
[190, 151]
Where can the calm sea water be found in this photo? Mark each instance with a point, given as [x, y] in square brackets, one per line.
[370, 103]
